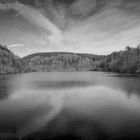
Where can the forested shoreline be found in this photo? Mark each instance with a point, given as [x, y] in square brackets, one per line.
[126, 61]
[9, 62]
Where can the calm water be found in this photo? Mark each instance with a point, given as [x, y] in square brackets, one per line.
[77, 105]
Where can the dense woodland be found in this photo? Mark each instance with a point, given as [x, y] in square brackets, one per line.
[126, 61]
[62, 61]
[10, 63]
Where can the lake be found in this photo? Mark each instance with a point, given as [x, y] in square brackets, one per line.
[70, 105]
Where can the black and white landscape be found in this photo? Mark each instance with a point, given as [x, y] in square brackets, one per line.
[69, 70]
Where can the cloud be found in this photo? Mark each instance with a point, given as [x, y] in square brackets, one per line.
[83, 7]
[91, 26]
[15, 45]
[108, 30]
[35, 17]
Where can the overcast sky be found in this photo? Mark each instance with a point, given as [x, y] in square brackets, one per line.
[84, 26]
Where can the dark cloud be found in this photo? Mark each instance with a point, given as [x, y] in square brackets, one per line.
[66, 2]
[81, 8]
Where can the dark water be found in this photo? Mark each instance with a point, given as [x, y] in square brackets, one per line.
[77, 105]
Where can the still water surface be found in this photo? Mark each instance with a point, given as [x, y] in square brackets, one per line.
[81, 105]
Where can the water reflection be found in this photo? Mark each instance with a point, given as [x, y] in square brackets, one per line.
[72, 105]
[5, 86]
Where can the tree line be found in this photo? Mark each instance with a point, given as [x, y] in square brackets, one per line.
[10, 63]
[127, 61]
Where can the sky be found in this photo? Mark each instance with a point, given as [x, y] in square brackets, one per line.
[81, 26]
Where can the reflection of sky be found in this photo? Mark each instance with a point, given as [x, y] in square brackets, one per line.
[106, 103]
[92, 26]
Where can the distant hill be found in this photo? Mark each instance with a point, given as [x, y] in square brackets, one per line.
[62, 61]
[10, 63]
[126, 61]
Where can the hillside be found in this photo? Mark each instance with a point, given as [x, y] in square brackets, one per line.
[62, 61]
[10, 63]
[127, 61]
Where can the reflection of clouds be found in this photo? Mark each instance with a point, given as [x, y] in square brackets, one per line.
[102, 103]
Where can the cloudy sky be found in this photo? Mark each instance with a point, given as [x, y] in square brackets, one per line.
[85, 26]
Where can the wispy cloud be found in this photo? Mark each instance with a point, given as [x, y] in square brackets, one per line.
[91, 26]
[35, 17]
[15, 45]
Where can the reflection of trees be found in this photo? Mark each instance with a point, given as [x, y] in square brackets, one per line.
[129, 83]
[4, 88]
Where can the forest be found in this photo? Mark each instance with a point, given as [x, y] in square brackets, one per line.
[124, 61]
[9, 62]
[127, 61]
